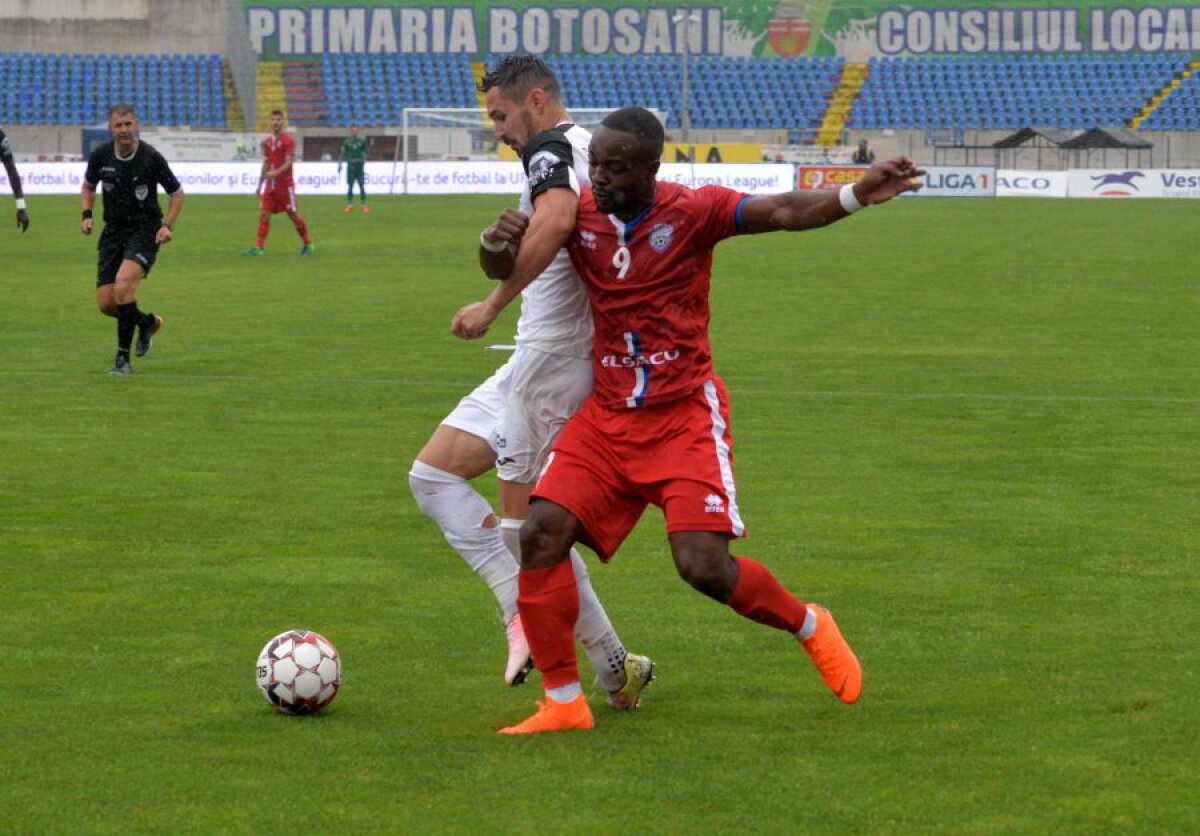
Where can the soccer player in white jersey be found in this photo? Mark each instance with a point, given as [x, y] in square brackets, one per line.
[511, 420]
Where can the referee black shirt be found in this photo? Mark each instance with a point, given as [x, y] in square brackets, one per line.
[130, 186]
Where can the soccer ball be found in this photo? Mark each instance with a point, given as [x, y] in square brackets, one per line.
[299, 672]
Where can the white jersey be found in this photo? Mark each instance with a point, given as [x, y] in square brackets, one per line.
[555, 317]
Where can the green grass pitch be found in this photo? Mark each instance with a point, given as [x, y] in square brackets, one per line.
[968, 427]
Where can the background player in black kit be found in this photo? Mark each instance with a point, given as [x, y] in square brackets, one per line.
[134, 226]
[14, 180]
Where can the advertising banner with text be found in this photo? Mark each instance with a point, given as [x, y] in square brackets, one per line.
[313, 178]
[1119, 183]
[853, 29]
[828, 176]
[958, 181]
[506, 178]
[1014, 183]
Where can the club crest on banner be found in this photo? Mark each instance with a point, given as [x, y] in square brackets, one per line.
[789, 31]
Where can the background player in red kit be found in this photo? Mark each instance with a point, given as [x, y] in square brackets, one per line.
[276, 187]
[656, 428]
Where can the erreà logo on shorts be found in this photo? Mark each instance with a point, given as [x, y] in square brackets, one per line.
[630, 361]
[713, 504]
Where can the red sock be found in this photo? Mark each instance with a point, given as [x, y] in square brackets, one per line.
[760, 597]
[549, 603]
[302, 228]
[263, 228]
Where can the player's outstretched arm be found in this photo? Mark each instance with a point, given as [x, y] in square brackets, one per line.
[549, 228]
[14, 179]
[800, 210]
[498, 244]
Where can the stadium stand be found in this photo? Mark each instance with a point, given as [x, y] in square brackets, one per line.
[40, 89]
[304, 89]
[1158, 92]
[374, 89]
[981, 93]
[723, 93]
[1070, 92]
[1177, 106]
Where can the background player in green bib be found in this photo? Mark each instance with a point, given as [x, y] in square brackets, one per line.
[354, 155]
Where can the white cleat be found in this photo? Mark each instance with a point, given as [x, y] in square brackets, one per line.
[520, 662]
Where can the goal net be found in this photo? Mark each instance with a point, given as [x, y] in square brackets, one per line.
[466, 133]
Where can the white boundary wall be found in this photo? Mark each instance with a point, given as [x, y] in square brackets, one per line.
[506, 178]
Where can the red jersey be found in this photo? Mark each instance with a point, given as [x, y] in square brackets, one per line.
[276, 150]
[648, 282]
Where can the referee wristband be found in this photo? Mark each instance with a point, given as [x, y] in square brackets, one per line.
[20, 203]
[87, 214]
[848, 199]
[491, 246]
[170, 227]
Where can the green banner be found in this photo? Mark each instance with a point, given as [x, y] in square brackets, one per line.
[855, 30]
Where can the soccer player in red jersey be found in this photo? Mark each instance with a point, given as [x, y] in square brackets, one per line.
[276, 188]
[655, 429]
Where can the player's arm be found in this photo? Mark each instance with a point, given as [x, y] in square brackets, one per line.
[87, 201]
[167, 231]
[498, 244]
[14, 178]
[549, 229]
[800, 210]
[285, 168]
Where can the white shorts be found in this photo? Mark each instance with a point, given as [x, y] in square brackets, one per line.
[520, 409]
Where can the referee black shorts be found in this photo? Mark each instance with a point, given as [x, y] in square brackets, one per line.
[117, 244]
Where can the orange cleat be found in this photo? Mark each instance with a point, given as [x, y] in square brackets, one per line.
[349, 207]
[833, 657]
[366, 208]
[555, 716]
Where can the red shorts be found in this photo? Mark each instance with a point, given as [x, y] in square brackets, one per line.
[278, 196]
[608, 465]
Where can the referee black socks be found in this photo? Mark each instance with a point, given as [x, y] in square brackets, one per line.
[128, 316]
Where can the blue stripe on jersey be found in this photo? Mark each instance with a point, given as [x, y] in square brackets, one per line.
[737, 216]
[641, 387]
[641, 374]
[627, 233]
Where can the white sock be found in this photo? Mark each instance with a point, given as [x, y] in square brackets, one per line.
[565, 693]
[460, 512]
[809, 626]
[595, 632]
[593, 628]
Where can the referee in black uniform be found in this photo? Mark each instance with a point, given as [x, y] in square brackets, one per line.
[129, 173]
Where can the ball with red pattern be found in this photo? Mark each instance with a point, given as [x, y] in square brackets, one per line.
[299, 672]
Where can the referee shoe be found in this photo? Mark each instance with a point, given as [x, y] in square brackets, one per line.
[150, 326]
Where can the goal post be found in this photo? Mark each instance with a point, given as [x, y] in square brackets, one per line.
[465, 134]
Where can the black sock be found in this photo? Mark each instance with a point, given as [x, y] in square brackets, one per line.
[146, 320]
[127, 320]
